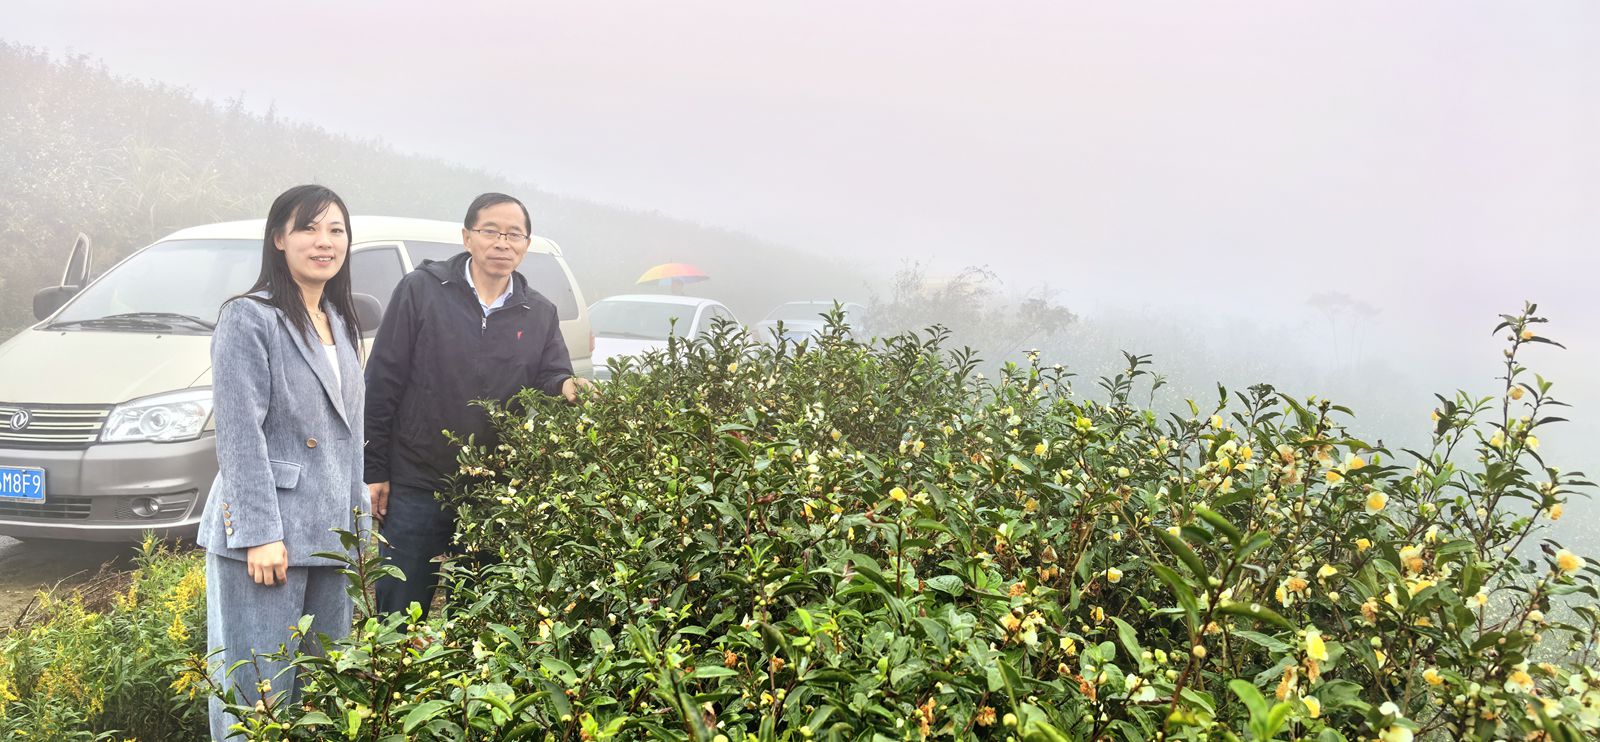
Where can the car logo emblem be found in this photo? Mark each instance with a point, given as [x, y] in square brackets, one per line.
[20, 420]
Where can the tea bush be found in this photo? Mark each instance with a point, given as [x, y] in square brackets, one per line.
[84, 674]
[852, 541]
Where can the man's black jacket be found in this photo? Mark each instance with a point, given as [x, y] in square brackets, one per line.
[435, 353]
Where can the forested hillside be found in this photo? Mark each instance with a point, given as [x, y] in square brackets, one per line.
[127, 161]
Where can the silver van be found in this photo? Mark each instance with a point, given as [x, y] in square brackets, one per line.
[105, 404]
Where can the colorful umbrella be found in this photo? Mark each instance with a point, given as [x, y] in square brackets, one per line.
[673, 275]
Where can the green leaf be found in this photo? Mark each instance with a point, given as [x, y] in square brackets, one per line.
[1256, 611]
[1220, 523]
[1180, 587]
[712, 671]
[1129, 638]
[1184, 554]
[423, 712]
[1262, 640]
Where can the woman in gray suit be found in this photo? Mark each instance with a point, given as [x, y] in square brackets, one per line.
[288, 391]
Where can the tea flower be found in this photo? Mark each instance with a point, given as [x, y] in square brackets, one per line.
[1555, 511]
[1376, 502]
[1516, 392]
[1396, 733]
[1327, 570]
[897, 494]
[1519, 682]
[1497, 440]
[1532, 442]
[1313, 706]
[1041, 449]
[1432, 676]
[1363, 544]
[1316, 649]
[1568, 562]
[1113, 575]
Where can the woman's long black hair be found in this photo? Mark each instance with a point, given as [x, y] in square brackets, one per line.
[295, 208]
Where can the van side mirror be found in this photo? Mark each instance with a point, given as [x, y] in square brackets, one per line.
[369, 312]
[77, 270]
[47, 301]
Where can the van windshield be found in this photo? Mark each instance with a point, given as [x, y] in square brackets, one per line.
[640, 320]
[156, 289]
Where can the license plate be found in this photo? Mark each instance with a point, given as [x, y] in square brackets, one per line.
[21, 483]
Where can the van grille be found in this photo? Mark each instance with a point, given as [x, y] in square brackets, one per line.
[51, 426]
[58, 508]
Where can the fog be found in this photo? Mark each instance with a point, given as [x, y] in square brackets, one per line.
[1336, 197]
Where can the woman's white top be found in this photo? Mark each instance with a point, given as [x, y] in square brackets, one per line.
[332, 352]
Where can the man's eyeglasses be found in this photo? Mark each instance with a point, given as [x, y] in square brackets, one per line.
[494, 235]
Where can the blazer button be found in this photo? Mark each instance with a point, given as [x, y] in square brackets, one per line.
[311, 443]
[230, 531]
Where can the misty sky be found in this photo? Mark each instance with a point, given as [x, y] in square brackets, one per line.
[1439, 160]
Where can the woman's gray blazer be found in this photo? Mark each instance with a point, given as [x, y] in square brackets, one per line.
[289, 437]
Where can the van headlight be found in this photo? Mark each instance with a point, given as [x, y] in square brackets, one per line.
[164, 418]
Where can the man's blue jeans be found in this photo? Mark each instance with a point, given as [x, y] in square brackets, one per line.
[418, 529]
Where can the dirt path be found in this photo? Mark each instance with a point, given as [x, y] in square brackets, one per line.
[26, 568]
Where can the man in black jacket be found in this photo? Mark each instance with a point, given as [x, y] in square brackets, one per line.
[465, 329]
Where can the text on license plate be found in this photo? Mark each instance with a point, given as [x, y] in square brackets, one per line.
[21, 483]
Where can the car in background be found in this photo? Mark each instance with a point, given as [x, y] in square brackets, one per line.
[105, 405]
[631, 325]
[807, 319]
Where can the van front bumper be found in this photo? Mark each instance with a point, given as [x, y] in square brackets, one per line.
[114, 491]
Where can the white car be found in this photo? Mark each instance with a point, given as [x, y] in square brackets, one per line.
[634, 324]
[807, 319]
[105, 405]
